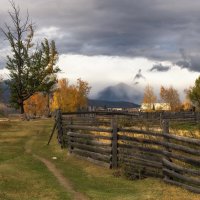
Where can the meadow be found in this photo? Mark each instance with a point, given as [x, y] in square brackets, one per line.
[31, 170]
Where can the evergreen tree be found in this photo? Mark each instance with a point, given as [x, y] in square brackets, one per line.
[31, 68]
[194, 93]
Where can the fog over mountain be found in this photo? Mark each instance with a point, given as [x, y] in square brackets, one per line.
[121, 92]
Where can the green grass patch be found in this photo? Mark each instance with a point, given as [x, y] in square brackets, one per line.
[186, 126]
[23, 177]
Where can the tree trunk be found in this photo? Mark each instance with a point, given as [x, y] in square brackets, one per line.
[22, 108]
[48, 105]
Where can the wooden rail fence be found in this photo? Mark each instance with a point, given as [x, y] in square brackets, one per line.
[103, 138]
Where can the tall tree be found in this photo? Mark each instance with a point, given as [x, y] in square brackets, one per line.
[149, 97]
[31, 68]
[171, 96]
[194, 93]
[82, 91]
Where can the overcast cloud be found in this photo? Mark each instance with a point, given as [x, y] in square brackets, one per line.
[154, 29]
[98, 36]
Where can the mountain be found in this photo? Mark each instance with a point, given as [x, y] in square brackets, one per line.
[5, 92]
[111, 104]
[120, 92]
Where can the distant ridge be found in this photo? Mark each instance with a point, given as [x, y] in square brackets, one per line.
[111, 104]
[120, 92]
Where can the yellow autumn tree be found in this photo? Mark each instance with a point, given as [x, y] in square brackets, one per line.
[82, 91]
[70, 98]
[187, 104]
[149, 97]
[170, 95]
[36, 105]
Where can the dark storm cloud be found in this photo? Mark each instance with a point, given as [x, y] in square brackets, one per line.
[154, 29]
[138, 77]
[160, 68]
[190, 62]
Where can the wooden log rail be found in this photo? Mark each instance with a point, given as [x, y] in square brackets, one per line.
[90, 145]
[177, 116]
[87, 128]
[174, 158]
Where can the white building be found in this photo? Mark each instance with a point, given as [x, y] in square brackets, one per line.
[155, 106]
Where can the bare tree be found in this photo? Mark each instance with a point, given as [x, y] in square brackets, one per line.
[171, 96]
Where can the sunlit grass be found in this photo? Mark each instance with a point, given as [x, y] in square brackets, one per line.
[22, 177]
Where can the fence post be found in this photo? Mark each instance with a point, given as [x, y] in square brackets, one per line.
[54, 128]
[161, 118]
[197, 117]
[70, 137]
[60, 129]
[114, 163]
[166, 131]
[165, 128]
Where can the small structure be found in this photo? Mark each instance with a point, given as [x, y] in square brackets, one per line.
[102, 105]
[155, 106]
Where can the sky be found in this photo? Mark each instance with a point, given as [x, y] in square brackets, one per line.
[106, 42]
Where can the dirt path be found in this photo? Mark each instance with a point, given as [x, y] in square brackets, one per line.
[64, 182]
[61, 179]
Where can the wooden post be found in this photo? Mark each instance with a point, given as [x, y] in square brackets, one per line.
[165, 124]
[114, 163]
[197, 117]
[70, 147]
[60, 129]
[161, 119]
[54, 128]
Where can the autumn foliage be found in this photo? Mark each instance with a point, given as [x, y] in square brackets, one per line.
[66, 97]
[70, 98]
[171, 96]
[149, 96]
[36, 105]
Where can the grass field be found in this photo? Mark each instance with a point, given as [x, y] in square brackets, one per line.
[23, 175]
